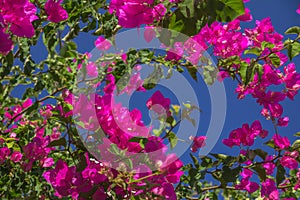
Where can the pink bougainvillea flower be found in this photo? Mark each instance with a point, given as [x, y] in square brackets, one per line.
[27, 103]
[269, 165]
[269, 189]
[291, 80]
[283, 121]
[245, 135]
[22, 28]
[99, 194]
[18, 15]
[149, 33]
[47, 162]
[6, 44]
[91, 69]
[276, 110]
[281, 142]
[174, 178]
[247, 185]
[16, 156]
[132, 13]
[289, 162]
[135, 84]
[198, 142]
[246, 173]
[226, 39]
[159, 11]
[298, 10]
[174, 1]
[176, 52]
[166, 190]
[102, 44]
[4, 153]
[247, 17]
[159, 103]
[171, 165]
[56, 13]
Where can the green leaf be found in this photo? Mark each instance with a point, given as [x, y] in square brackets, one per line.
[195, 161]
[259, 70]
[82, 163]
[293, 30]
[157, 132]
[275, 60]
[256, 51]
[187, 8]
[32, 108]
[247, 72]
[297, 134]
[142, 141]
[230, 175]
[210, 74]
[213, 196]
[261, 153]
[206, 162]
[270, 143]
[129, 163]
[10, 144]
[176, 24]
[280, 174]
[193, 72]
[227, 10]
[153, 78]
[260, 171]
[172, 139]
[170, 73]
[176, 108]
[293, 50]
[170, 120]
[268, 45]
[186, 115]
[219, 156]
[296, 144]
[59, 142]
[10, 59]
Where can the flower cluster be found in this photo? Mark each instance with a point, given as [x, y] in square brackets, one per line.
[120, 127]
[246, 184]
[226, 39]
[38, 150]
[67, 181]
[134, 13]
[198, 142]
[56, 13]
[16, 17]
[245, 136]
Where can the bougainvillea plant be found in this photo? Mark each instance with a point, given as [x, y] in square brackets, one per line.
[60, 140]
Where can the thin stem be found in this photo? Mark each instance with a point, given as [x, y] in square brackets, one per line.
[171, 129]
[214, 187]
[144, 177]
[38, 101]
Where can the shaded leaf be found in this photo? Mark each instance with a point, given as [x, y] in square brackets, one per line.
[280, 174]
[59, 142]
[293, 30]
[293, 50]
[172, 139]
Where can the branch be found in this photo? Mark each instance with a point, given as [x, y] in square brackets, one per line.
[38, 101]
[214, 187]
[171, 129]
